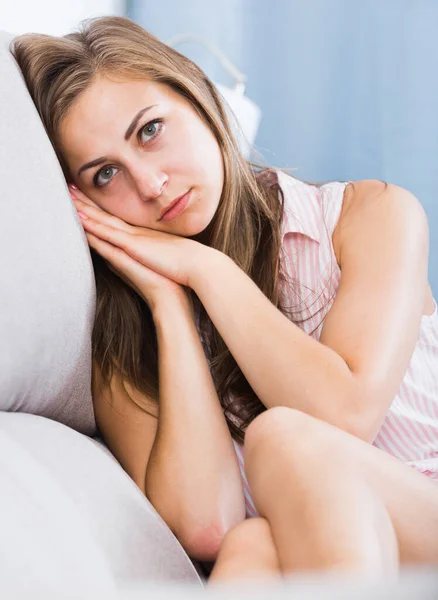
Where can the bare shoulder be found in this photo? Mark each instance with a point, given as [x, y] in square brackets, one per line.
[376, 215]
[373, 207]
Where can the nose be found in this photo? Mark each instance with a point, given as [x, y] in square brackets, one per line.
[150, 182]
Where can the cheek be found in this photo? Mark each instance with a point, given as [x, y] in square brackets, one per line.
[197, 152]
[111, 201]
[204, 159]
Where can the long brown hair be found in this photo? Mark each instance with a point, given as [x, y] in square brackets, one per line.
[246, 226]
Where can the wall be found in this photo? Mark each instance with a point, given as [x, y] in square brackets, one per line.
[348, 89]
[53, 16]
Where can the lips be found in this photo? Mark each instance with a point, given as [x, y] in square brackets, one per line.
[170, 206]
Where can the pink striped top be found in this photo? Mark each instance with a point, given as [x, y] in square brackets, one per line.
[410, 429]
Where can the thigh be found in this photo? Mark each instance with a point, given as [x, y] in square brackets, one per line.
[283, 438]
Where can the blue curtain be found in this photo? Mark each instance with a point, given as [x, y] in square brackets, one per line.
[348, 88]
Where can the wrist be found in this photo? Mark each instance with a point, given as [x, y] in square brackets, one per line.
[172, 305]
[206, 264]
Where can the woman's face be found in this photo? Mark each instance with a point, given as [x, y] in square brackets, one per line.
[134, 147]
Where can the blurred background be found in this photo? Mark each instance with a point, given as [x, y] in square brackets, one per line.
[345, 89]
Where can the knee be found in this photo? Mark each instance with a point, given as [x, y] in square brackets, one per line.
[277, 423]
[247, 536]
[301, 436]
[248, 551]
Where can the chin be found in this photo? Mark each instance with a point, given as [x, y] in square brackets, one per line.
[194, 226]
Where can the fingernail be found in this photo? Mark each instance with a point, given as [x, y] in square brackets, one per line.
[72, 185]
[81, 214]
[73, 197]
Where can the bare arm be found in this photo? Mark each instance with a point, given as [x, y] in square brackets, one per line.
[179, 452]
[181, 455]
[193, 457]
[350, 377]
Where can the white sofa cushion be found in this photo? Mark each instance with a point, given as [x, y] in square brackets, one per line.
[72, 519]
[47, 298]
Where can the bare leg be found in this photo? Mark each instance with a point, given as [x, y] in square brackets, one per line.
[335, 502]
[332, 502]
[247, 552]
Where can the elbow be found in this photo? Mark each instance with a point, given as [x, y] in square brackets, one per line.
[363, 418]
[360, 407]
[202, 543]
[361, 427]
[201, 538]
[200, 535]
[199, 522]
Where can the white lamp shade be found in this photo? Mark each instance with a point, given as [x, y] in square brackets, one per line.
[244, 114]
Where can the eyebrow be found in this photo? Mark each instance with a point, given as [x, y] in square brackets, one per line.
[135, 120]
[129, 132]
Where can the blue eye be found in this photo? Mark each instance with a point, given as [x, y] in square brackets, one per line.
[144, 135]
[150, 130]
[104, 176]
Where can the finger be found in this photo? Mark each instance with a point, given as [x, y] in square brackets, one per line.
[105, 249]
[115, 237]
[88, 207]
[76, 193]
[116, 256]
[100, 216]
[120, 263]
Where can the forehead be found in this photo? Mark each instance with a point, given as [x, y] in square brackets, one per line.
[105, 92]
[105, 109]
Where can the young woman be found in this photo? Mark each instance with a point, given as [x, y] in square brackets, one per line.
[225, 289]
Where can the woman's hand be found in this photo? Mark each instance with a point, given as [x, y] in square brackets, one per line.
[169, 255]
[149, 284]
